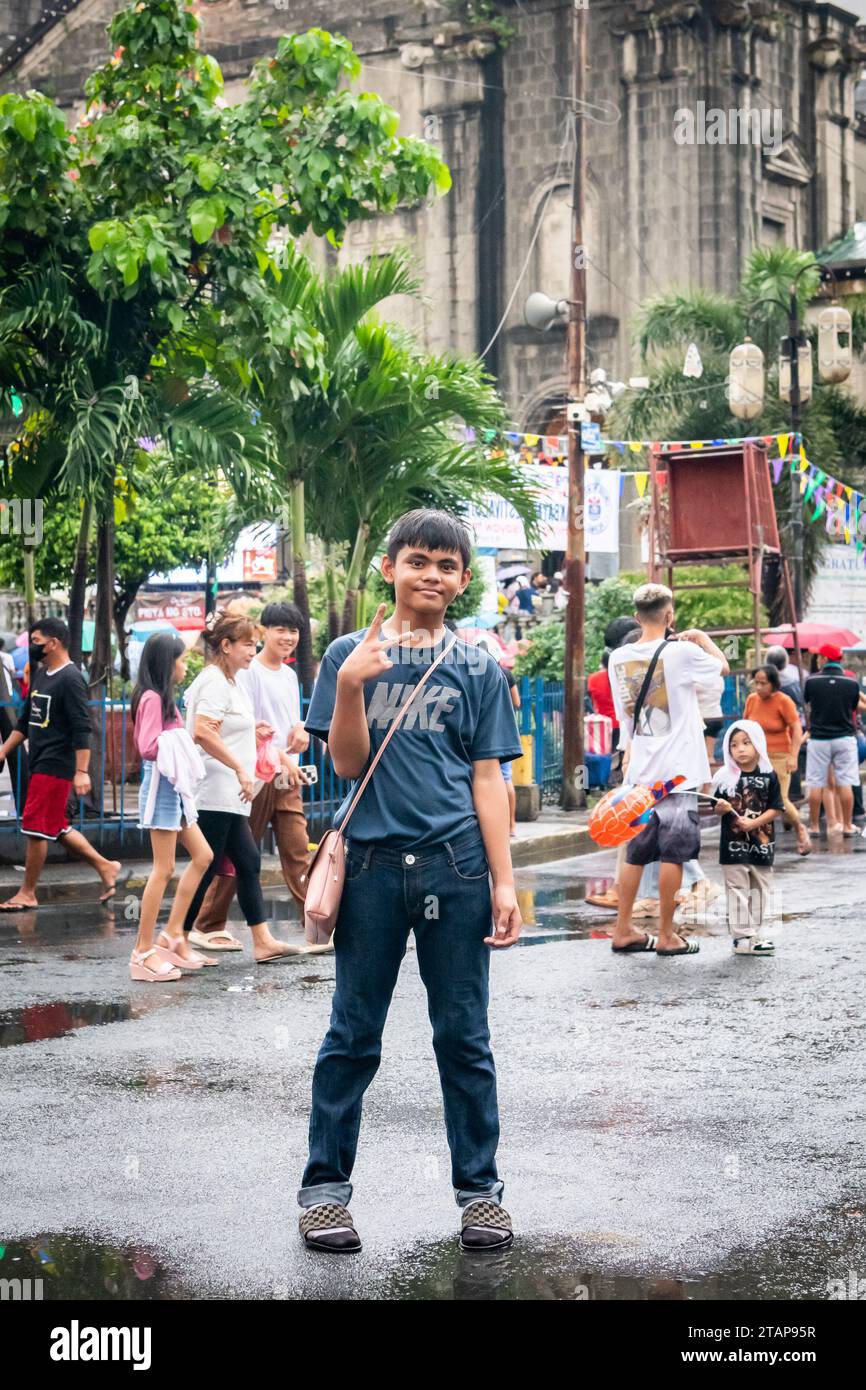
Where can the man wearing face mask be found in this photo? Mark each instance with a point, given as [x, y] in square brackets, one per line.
[56, 725]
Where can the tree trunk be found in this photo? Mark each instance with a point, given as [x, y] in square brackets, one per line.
[122, 605]
[360, 609]
[304, 656]
[354, 574]
[331, 586]
[29, 586]
[78, 586]
[100, 663]
[210, 587]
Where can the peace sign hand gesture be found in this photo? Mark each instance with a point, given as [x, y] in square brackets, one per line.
[369, 658]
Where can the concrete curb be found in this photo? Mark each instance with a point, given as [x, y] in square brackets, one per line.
[78, 884]
[558, 844]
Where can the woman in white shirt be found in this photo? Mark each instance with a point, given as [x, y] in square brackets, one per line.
[220, 718]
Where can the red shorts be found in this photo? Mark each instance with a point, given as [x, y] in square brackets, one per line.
[45, 809]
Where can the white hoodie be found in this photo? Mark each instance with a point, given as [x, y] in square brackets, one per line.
[179, 761]
[729, 773]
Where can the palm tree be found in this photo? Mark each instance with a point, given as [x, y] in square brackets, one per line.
[403, 452]
[677, 407]
[362, 420]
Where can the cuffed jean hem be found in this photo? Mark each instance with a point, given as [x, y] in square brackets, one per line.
[491, 1194]
[340, 1192]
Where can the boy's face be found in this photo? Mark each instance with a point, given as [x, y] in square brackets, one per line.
[426, 580]
[743, 750]
[280, 641]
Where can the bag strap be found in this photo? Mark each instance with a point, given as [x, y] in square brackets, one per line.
[644, 690]
[393, 729]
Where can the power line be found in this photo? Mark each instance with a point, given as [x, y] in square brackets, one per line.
[533, 240]
[606, 107]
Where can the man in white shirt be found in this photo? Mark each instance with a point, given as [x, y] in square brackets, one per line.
[273, 691]
[667, 742]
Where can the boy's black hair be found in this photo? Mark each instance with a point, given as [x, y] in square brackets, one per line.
[52, 627]
[429, 529]
[618, 629]
[281, 615]
[156, 671]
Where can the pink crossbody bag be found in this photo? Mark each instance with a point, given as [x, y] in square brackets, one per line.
[327, 873]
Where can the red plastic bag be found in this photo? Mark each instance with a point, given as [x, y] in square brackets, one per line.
[267, 761]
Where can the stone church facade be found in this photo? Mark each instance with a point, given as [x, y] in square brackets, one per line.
[666, 204]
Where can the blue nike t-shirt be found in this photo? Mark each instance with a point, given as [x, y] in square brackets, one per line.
[421, 791]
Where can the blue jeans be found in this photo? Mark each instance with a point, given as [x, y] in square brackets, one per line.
[442, 893]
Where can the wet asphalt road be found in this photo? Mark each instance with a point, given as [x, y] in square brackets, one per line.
[670, 1129]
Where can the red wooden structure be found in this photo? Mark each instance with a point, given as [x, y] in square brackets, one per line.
[714, 506]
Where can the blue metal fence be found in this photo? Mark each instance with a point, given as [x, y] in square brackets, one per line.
[541, 715]
[111, 810]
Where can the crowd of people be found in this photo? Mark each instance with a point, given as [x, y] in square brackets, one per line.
[427, 851]
[660, 704]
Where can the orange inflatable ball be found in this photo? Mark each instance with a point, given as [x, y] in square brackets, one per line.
[623, 812]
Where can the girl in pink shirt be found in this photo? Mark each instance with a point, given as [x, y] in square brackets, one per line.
[163, 666]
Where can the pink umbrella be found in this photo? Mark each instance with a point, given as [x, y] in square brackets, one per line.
[812, 636]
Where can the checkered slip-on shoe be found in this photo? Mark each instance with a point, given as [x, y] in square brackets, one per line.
[329, 1227]
[485, 1226]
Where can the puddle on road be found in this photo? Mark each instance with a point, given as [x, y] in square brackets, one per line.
[804, 1261]
[37, 1022]
[59, 1267]
[56, 1018]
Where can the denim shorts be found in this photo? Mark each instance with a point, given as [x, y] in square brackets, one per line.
[168, 809]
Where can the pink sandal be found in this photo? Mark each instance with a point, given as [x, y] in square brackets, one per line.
[167, 946]
[156, 973]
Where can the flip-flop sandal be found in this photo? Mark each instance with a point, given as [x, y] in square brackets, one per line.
[108, 894]
[290, 954]
[691, 948]
[648, 944]
[214, 941]
[18, 907]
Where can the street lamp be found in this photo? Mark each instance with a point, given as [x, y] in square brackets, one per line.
[834, 343]
[746, 380]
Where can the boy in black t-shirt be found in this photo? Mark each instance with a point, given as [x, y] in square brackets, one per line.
[749, 799]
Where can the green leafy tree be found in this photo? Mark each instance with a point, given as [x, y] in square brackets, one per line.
[369, 430]
[713, 607]
[127, 241]
[159, 531]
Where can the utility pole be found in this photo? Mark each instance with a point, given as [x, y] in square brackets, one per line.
[796, 504]
[573, 779]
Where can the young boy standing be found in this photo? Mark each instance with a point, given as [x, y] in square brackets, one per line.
[749, 800]
[429, 834]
